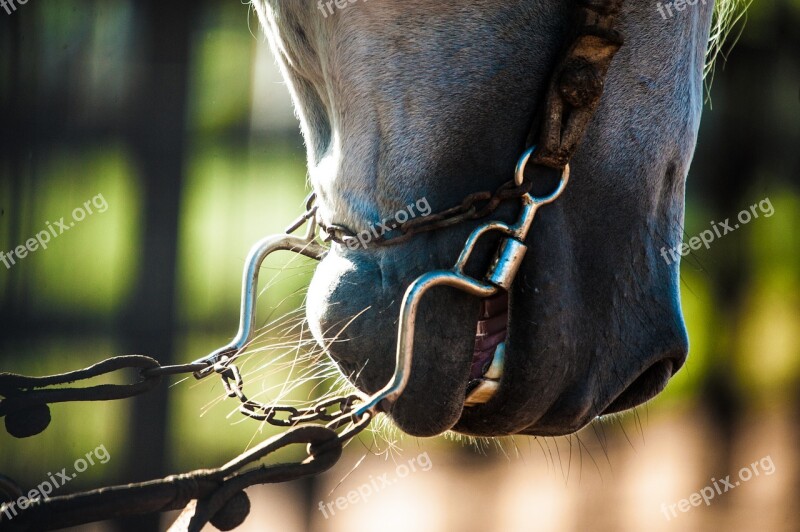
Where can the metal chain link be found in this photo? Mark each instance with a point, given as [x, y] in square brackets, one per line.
[473, 207]
[233, 383]
[22, 393]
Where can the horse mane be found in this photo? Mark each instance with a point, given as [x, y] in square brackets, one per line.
[726, 14]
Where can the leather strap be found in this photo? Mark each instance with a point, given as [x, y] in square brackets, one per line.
[577, 82]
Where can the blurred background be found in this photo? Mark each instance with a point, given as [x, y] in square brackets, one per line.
[174, 115]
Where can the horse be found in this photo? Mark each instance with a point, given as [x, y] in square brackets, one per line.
[406, 103]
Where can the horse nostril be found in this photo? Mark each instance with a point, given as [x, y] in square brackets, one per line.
[646, 386]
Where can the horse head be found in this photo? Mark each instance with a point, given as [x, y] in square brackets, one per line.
[407, 107]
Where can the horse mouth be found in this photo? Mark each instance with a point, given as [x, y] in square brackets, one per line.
[488, 360]
[489, 353]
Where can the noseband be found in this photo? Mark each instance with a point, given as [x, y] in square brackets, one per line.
[572, 98]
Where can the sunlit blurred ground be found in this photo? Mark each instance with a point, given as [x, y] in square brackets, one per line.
[535, 485]
[611, 481]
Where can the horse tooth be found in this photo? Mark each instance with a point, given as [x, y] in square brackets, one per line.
[495, 371]
[481, 390]
[482, 393]
[471, 385]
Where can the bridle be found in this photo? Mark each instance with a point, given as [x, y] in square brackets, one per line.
[572, 98]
